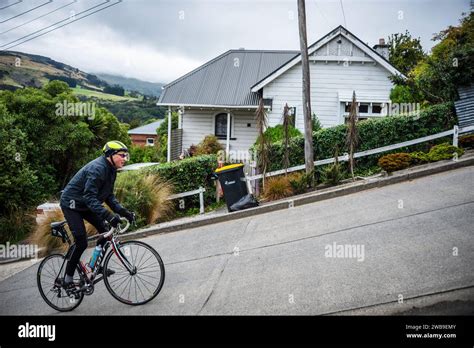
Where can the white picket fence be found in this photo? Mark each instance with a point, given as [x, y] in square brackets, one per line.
[455, 132]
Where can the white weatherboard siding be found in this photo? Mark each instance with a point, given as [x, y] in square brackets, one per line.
[328, 80]
[199, 123]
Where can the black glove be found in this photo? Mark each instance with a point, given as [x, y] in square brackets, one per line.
[115, 221]
[129, 215]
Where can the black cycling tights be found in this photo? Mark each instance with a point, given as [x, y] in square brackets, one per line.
[75, 220]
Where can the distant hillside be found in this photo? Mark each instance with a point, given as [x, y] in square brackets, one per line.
[18, 70]
[131, 84]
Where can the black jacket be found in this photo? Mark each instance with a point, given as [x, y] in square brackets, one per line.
[93, 185]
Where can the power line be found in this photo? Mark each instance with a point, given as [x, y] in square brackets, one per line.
[21, 14]
[103, 8]
[16, 3]
[343, 14]
[34, 19]
[321, 11]
[52, 25]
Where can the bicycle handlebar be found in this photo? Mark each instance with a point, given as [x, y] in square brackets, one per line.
[119, 229]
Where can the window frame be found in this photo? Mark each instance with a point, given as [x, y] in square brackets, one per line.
[148, 144]
[214, 124]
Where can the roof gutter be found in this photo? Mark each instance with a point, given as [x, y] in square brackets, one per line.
[211, 106]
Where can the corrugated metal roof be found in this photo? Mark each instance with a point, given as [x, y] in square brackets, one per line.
[465, 106]
[225, 80]
[146, 129]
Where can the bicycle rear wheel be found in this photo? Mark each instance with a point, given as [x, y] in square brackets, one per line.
[141, 286]
[49, 284]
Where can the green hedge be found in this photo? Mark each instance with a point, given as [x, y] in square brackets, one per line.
[373, 133]
[187, 175]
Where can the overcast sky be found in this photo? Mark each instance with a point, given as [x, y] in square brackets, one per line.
[160, 40]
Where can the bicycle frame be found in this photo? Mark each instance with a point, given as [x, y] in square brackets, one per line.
[111, 242]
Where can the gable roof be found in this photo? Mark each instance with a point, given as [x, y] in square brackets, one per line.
[225, 80]
[148, 129]
[340, 30]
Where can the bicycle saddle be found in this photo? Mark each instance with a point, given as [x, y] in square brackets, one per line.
[58, 224]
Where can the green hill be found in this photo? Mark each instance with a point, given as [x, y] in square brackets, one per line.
[134, 103]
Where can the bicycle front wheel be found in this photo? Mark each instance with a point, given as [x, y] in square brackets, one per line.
[144, 283]
[50, 273]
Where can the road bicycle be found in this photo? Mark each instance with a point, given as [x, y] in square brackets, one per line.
[133, 271]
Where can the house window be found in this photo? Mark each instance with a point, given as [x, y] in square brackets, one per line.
[376, 108]
[220, 128]
[363, 108]
[150, 141]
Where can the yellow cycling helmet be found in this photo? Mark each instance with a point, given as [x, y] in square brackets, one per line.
[112, 147]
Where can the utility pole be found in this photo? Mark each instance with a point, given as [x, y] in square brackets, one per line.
[308, 127]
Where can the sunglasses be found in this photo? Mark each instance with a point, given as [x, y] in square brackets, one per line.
[123, 155]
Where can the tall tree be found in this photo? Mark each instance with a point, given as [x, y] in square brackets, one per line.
[450, 64]
[404, 51]
[352, 136]
[308, 127]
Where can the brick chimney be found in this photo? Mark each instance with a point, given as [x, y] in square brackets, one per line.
[382, 48]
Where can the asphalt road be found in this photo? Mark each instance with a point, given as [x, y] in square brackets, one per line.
[415, 242]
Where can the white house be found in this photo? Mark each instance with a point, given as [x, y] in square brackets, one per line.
[221, 96]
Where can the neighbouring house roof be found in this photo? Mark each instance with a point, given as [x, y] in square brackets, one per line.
[136, 166]
[340, 30]
[148, 129]
[465, 106]
[225, 80]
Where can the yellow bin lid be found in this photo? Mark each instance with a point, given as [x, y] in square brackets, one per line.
[231, 166]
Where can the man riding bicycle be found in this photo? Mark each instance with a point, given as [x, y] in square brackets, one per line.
[83, 197]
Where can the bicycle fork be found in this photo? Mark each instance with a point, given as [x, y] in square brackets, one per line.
[116, 249]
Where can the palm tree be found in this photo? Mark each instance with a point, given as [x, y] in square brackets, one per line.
[352, 135]
[262, 142]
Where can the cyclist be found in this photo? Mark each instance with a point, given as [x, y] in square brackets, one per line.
[82, 199]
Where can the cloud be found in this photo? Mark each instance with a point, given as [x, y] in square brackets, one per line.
[160, 40]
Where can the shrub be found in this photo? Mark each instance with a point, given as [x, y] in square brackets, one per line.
[192, 150]
[42, 236]
[300, 181]
[444, 151]
[277, 187]
[277, 133]
[142, 154]
[373, 133]
[466, 141]
[187, 175]
[146, 194]
[395, 161]
[210, 145]
[419, 157]
[316, 124]
[332, 174]
[15, 225]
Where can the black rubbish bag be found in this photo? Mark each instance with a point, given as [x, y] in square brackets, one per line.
[248, 201]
